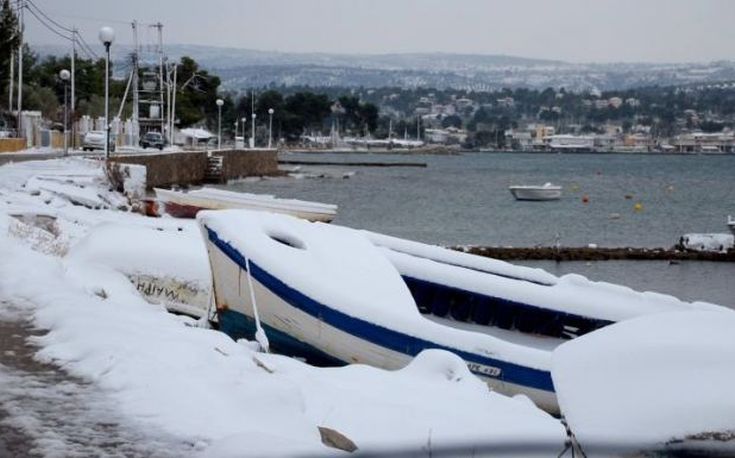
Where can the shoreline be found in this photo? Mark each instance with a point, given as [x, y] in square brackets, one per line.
[459, 151]
[594, 254]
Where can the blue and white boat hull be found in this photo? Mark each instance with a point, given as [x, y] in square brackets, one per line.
[297, 324]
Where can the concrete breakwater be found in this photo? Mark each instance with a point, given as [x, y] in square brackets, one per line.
[354, 164]
[595, 254]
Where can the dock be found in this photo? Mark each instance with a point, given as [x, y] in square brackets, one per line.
[595, 254]
[353, 164]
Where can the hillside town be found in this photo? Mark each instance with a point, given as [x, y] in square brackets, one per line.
[193, 102]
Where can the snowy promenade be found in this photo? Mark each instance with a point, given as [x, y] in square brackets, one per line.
[97, 370]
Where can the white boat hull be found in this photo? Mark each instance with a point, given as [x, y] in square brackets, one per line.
[535, 193]
[187, 204]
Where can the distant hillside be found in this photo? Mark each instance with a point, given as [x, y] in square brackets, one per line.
[222, 57]
[244, 68]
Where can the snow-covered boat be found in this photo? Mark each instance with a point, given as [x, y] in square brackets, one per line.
[731, 224]
[187, 204]
[338, 295]
[545, 192]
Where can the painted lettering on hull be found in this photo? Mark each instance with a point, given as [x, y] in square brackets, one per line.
[488, 371]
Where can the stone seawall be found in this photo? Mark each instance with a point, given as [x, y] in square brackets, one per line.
[243, 163]
[168, 169]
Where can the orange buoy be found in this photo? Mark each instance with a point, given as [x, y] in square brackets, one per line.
[638, 207]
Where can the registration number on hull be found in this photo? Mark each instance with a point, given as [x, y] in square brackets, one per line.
[488, 371]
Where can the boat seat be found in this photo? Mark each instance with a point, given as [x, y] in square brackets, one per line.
[460, 306]
[440, 304]
[504, 315]
[483, 311]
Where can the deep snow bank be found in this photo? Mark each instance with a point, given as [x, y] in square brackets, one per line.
[200, 386]
[650, 380]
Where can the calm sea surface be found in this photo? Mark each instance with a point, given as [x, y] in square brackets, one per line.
[464, 199]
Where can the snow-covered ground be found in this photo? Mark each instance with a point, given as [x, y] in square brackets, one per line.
[91, 364]
[170, 387]
[652, 381]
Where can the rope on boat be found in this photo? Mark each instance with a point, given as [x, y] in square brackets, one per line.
[260, 335]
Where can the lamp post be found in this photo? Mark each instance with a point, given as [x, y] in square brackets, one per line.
[219, 103]
[234, 145]
[244, 120]
[64, 75]
[252, 126]
[270, 126]
[107, 36]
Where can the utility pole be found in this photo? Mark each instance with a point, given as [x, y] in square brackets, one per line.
[136, 85]
[73, 87]
[168, 104]
[73, 66]
[159, 28]
[173, 106]
[20, 69]
[11, 82]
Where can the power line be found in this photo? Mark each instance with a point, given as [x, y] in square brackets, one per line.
[86, 46]
[85, 51]
[93, 19]
[30, 2]
[47, 25]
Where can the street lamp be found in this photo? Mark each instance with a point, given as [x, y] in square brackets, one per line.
[219, 103]
[64, 75]
[252, 126]
[270, 126]
[107, 36]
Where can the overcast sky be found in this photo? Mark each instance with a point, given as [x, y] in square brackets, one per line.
[571, 30]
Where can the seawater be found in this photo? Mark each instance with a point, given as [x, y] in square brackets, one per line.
[464, 199]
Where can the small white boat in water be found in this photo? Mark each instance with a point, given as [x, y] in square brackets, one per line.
[187, 204]
[335, 295]
[545, 192]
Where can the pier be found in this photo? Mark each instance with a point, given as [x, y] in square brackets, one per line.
[354, 164]
[595, 254]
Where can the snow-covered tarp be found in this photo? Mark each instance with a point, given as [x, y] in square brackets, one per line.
[651, 381]
[719, 243]
[167, 264]
[570, 293]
